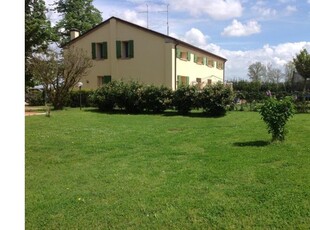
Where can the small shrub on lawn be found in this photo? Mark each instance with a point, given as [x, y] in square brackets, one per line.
[214, 99]
[184, 99]
[157, 99]
[132, 97]
[275, 114]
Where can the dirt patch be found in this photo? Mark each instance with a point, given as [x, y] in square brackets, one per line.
[30, 113]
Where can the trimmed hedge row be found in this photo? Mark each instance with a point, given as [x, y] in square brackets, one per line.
[134, 97]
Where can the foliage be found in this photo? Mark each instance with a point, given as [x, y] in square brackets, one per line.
[275, 114]
[38, 33]
[302, 64]
[59, 75]
[157, 99]
[184, 99]
[214, 99]
[35, 97]
[78, 14]
[132, 97]
[74, 98]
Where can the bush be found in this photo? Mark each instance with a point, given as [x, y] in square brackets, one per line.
[184, 99]
[107, 96]
[157, 99]
[35, 98]
[132, 97]
[74, 98]
[275, 114]
[215, 99]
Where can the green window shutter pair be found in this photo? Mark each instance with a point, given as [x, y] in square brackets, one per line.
[179, 78]
[130, 49]
[93, 50]
[104, 50]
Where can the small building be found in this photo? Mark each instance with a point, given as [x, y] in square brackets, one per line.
[121, 50]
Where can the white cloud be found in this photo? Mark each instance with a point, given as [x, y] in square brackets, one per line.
[279, 55]
[290, 9]
[131, 16]
[263, 11]
[218, 10]
[237, 29]
[196, 37]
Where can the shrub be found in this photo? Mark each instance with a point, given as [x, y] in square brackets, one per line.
[131, 98]
[35, 97]
[107, 96]
[157, 99]
[184, 99]
[74, 98]
[215, 99]
[275, 114]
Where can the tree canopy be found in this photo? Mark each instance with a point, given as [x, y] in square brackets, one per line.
[257, 71]
[77, 14]
[302, 64]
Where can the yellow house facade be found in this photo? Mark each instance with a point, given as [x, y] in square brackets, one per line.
[121, 50]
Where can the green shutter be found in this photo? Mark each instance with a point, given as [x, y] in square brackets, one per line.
[179, 81]
[106, 79]
[104, 50]
[187, 80]
[118, 49]
[93, 50]
[204, 60]
[130, 48]
[188, 56]
[178, 53]
[195, 58]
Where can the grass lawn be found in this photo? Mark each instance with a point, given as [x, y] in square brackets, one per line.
[87, 170]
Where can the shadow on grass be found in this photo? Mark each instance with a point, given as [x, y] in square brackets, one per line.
[252, 144]
[166, 113]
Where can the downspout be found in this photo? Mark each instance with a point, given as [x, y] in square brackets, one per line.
[224, 72]
[175, 66]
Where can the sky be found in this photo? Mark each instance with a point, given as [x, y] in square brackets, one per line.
[242, 31]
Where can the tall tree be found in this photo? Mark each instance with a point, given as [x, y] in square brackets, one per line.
[289, 70]
[38, 31]
[78, 14]
[257, 71]
[274, 75]
[302, 64]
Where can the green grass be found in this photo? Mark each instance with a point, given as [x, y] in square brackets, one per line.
[87, 170]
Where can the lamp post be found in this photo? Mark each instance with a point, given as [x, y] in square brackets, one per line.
[80, 84]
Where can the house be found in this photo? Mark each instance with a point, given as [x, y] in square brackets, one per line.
[121, 50]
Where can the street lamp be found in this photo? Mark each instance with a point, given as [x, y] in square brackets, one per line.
[80, 84]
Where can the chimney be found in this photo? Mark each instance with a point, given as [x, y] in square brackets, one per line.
[74, 33]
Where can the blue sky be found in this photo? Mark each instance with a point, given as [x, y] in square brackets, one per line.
[243, 31]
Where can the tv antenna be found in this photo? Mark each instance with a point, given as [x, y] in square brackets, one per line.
[147, 15]
[166, 11]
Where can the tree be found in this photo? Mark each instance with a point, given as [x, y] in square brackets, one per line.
[289, 70]
[257, 71]
[38, 32]
[274, 75]
[78, 14]
[302, 64]
[59, 75]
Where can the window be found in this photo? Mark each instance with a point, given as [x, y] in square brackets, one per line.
[185, 56]
[183, 80]
[102, 80]
[99, 50]
[124, 49]
[200, 60]
[199, 83]
[219, 65]
[210, 63]
[209, 82]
